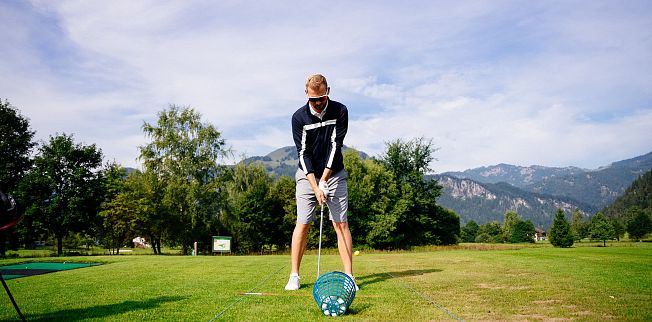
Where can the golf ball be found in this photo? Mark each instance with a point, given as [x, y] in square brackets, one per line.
[326, 312]
[340, 300]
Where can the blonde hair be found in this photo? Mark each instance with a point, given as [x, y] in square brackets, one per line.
[315, 81]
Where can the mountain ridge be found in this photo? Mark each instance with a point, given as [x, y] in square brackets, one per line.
[284, 161]
[535, 192]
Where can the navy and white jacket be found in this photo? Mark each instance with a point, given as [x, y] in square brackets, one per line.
[319, 141]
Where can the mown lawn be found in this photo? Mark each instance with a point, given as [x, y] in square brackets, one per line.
[468, 282]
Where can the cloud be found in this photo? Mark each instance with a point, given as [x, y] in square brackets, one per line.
[489, 82]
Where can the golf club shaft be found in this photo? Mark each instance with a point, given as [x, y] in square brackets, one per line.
[321, 223]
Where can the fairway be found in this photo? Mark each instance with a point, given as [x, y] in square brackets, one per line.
[456, 283]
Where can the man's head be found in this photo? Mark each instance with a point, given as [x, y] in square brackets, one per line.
[317, 91]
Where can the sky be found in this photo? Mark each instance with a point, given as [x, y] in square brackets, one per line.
[551, 83]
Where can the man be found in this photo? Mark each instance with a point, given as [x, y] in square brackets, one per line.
[319, 128]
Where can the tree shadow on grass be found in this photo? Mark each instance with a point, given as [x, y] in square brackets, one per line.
[102, 311]
[380, 277]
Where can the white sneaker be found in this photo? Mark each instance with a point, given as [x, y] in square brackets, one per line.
[293, 283]
[354, 283]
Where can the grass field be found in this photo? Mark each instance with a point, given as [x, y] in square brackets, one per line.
[468, 282]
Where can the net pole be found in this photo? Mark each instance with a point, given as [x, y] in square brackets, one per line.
[22, 318]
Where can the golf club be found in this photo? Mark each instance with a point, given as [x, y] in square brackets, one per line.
[321, 223]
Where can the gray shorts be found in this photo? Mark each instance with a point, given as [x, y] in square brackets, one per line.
[337, 200]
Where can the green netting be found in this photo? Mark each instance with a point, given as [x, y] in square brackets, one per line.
[37, 268]
[57, 266]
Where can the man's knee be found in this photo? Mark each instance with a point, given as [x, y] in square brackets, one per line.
[341, 226]
[301, 229]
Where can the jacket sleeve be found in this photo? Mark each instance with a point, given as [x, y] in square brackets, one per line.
[303, 151]
[337, 137]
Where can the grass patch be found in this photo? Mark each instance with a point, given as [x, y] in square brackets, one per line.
[472, 282]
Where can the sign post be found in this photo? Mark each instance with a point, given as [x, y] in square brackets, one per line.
[221, 244]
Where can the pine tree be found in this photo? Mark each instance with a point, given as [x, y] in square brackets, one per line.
[561, 234]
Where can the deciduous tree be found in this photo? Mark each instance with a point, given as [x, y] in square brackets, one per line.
[490, 232]
[639, 225]
[184, 154]
[469, 232]
[247, 214]
[580, 227]
[15, 148]
[600, 229]
[66, 187]
[417, 214]
[522, 232]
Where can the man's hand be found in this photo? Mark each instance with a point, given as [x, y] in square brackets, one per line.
[323, 186]
[321, 197]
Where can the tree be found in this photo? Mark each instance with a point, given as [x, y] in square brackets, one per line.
[601, 229]
[66, 187]
[510, 219]
[284, 205]
[580, 228]
[639, 225]
[373, 202]
[619, 228]
[469, 232]
[247, 215]
[419, 219]
[151, 217]
[561, 234]
[15, 145]
[119, 209]
[522, 232]
[184, 155]
[490, 232]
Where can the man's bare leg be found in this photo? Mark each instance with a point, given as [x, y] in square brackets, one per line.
[299, 242]
[344, 245]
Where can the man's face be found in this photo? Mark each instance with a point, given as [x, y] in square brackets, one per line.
[317, 97]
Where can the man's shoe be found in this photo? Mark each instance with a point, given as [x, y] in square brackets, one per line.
[354, 283]
[293, 284]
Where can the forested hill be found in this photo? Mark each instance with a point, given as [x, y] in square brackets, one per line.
[639, 194]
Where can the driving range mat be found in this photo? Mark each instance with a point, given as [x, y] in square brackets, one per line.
[37, 268]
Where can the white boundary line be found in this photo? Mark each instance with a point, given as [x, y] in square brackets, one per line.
[250, 292]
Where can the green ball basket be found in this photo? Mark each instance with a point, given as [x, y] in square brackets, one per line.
[334, 292]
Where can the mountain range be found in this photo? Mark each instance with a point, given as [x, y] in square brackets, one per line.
[284, 161]
[535, 192]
